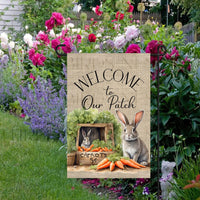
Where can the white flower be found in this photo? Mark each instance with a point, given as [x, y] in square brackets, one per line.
[26, 27]
[76, 8]
[4, 45]
[70, 25]
[132, 32]
[76, 30]
[52, 33]
[1, 53]
[4, 37]
[27, 38]
[80, 51]
[96, 46]
[98, 35]
[11, 44]
[120, 42]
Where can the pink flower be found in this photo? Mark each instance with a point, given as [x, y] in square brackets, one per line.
[173, 55]
[97, 11]
[186, 60]
[50, 23]
[133, 48]
[92, 37]
[121, 197]
[73, 188]
[92, 19]
[119, 15]
[43, 37]
[87, 27]
[155, 30]
[31, 53]
[35, 44]
[32, 77]
[78, 37]
[23, 115]
[59, 19]
[131, 8]
[152, 48]
[38, 59]
[55, 43]
[132, 32]
[120, 42]
[68, 46]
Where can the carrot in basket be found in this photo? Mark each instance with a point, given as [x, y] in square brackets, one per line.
[134, 162]
[95, 150]
[106, 149]
[89, 149]
[83, 148]
[129, 163]
[112, 166]
[105, 160]
[119, 164]
[80, 149]
[106, 165]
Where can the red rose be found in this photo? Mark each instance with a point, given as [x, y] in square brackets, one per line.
[131, 8]
[119, 15]
[133, 48]
[92, 37]
[99, 13]
[152, 48]
[50, 23]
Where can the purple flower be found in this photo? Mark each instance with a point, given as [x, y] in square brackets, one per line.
[146, 191]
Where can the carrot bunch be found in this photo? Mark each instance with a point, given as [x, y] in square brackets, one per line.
[97, 149]
[118, 162]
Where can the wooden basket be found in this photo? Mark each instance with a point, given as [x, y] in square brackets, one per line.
[71, 158]
[91, 158]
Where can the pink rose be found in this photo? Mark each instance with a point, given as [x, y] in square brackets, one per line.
[133, 48]
[32, 77]
[43, 37]
[92, 37]
[120, 42]
[59, 19]
[87, 27]
[50, 23]
[97, 11]
[78, 37]
[23, 115]
[68, 46]
[31, 53]
[152, 48]
[119, 16]
[38, 59]
[55, 43]
[132, 32]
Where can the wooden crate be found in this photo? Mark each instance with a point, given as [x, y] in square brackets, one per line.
[104, 129]
[93, 158]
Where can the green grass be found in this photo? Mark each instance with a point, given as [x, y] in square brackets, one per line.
[33, 167]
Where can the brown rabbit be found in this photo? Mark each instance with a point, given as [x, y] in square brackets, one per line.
[133, 146]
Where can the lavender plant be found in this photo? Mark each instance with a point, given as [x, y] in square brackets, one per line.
[45, 108]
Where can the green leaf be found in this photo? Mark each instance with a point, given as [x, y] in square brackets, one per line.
[177, 84]
[194, 125]
[165, 119]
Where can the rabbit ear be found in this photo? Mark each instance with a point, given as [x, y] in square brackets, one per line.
[122, 117]
[138, 118]
[83, 133]
[89, 132]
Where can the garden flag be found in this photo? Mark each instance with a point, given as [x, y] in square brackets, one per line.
[108, 105]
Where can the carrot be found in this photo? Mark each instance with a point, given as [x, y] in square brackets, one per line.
[110, 149]
[105, 160]
[95, 150]
[106, 149]
[89, 149]
[101, 150]
[119, 164]
[112, 166]
[107, 164]
[134, 162]
[80, 149]
[83, 148]
[129, 163]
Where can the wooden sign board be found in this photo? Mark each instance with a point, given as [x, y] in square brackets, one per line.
[112, 82]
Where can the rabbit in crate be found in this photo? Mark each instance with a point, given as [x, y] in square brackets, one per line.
[133, 147]
[88, 135]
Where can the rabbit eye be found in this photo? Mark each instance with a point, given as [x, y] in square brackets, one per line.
[125, 130]
[133, 129]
